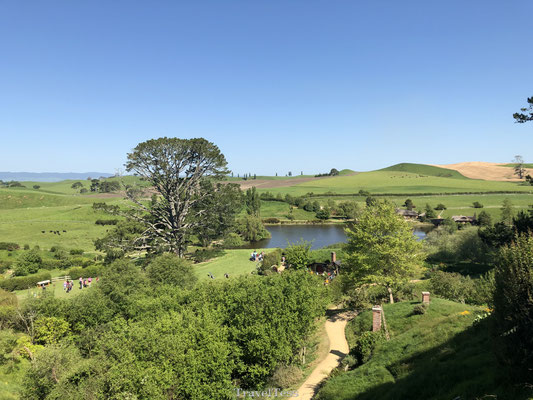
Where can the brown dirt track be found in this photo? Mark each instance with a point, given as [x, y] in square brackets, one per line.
[271, 183]
[485, 170]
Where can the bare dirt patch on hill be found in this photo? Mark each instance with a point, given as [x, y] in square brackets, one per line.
[485, 170]
[268, 183]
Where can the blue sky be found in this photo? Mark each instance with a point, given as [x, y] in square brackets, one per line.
[278, 85]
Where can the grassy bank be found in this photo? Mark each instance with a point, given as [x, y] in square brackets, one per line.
[441, 354]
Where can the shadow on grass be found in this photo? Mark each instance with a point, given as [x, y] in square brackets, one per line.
[463, 367]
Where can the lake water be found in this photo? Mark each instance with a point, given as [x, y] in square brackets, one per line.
[319, 235]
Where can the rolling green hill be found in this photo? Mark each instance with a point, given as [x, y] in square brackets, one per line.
[423, 169]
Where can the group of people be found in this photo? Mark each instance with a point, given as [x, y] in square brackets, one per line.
[84, 282]
[257, 257]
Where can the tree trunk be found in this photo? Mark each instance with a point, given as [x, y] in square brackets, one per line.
[391, 298]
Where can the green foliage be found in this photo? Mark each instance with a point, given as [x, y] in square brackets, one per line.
[463, 245]
[92, 271]
[24, 282]
[484, 219]
[526, 113]
[252, 202]
[203, 255]
[409, 205]
[9, 246]
[104, 222]
[496, 236]
[440, 206]
[381, 248]
[323, 214]
[513, 307]
[297, 254]
[50, 330]
[420, 309]
[251, 229]
[172, 270]
[453, 286]
[270, 259]
[27, 263]
[364, 345]
[430, 213]
[349, 209]
[477, 204]
[232, 241]
[507, 212]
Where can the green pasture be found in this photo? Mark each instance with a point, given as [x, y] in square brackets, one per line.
[514, 165]
[233, 262]
[423, 169]
[390, 182]
[26, 226]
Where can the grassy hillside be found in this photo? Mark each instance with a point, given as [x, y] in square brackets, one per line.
[423, 169]
[24, 198]
[514, 165]
[390, 182]
[439, 355]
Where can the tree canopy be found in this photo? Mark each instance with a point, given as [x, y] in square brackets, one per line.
[526, 113]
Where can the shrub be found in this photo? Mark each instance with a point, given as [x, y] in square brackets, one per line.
[172, 270]
[28, 263]
[89, 272]
[5, 265]
[297, 254]
[252, 229]
[106, 221]
[420, 309]
[206, 254]
[26, 247]
[451, 286]
[271, 220]
[24, 282]
[365, 345]
[232, 240]
[440, 206]
[74, 252]
[286, 376]
[36, 187]
[477, 204]
[9, 246]
[323, 214]
[513, 307]
[270, 259]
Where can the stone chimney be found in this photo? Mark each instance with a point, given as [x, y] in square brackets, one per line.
[333, 257]
[376, 318]
[425, 297]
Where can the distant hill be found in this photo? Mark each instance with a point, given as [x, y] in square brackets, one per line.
[50, 176]
[423, 169]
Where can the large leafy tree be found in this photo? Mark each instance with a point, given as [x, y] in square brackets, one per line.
[381, 248]
[526, 113]
[178, 170]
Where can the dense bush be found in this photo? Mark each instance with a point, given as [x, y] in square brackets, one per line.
[106, 221]
[440, 206]
[464, 245]
[169, 269]
[75, 252]
[271, 220]
[89, 272]
[9, 246]
[24, 282]
[270, 259]
[251, 229]
[365, 344]
[297, 254]
[27, 263]
[513, 307]
[5, 265]
[451, 286]
[323, 214]
[232, 241]
[202, 255]
[420, 309]
[477, 204]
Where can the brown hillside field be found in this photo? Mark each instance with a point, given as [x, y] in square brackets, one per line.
[486, 171]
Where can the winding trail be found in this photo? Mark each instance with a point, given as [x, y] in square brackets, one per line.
[338, 348]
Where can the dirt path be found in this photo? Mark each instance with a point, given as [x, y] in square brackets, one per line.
[338, 348]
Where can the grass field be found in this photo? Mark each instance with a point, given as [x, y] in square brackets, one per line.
[233, 262]
[437, 355]
[428, 170]
[390, 182]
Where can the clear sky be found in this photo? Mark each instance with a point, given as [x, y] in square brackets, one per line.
[278, 85]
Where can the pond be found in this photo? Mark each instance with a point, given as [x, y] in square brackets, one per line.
[319, 235]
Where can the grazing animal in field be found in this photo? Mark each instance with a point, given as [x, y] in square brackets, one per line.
[51, 231]
[64, 231]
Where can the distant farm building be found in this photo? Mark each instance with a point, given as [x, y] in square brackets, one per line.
[462, 219]
[407, 214]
